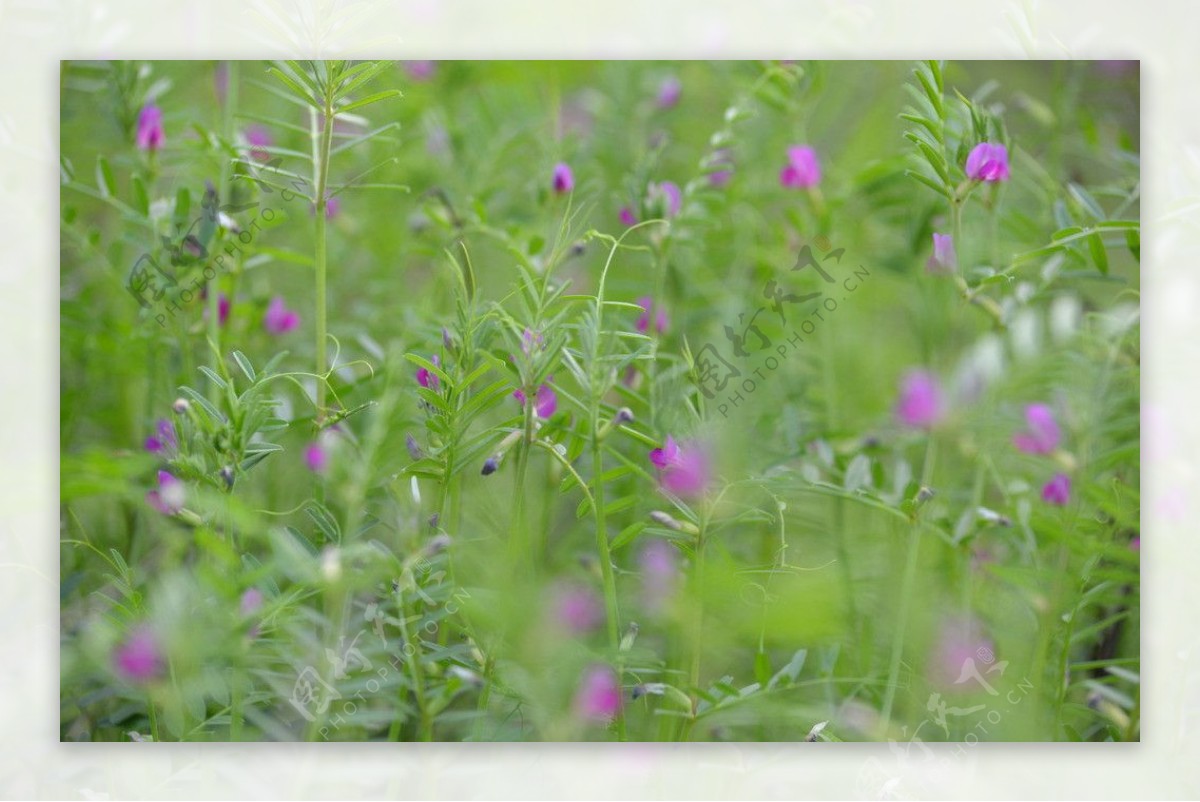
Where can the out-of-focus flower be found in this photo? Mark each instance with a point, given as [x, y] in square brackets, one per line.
[627, 217]
[1041, 435]
[221, 80]
[278, 318]
[223, 306]
[988, 162]
[665, 198]
[532, 341]
[426, 377]
[944, 259]
[683, 471]
[668, 92]
[259, 138]
[316, 458]
[920, 405]
[563, 180]
[181, 406]
[802, 170]
[420, 70]
[139, 658]
[150, 133]
[962, 656]
[599, 696]
[170, 495]
[163, 439]
[1058, 490]
[545, 401]
[659, 574]
[651, 310]
[576, 608]
[251, 601]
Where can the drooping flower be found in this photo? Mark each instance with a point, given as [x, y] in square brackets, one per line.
[962, 655]
[545, 401]
[278, 318]
[316, 458]
[563, 180]
[1058, 490]
[163, 439]
[802, 170]
[682, 471]
[426, 377]
[599, 696]
[576, 608]
[420, 70]
[920, 405]
[139, 658]
[665, 197]
[987, 162]
[168, 498]
[259, 138]
[659, 314]
[1041, 435]
[943, 259]
[150, 133]
[668, 92]
[627, 217]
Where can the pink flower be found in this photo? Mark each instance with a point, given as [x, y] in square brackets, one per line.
[279, 319]
[684, 472]
[666, 197]
[259, 138]
[660, 316]
[426, 377]
[627, 217]
[222, 306]
[668, 92]
[139, 658]
[532, 341]
[1042, 435]
[545, 402]
[944, 259]
[170, 495]
[576, 609]
[920, 405]
[720, 178]
[163, 439]
[251, 600]
[962, 655]
[1058, 490]
[150, 134]
[316, 458]
[802, 170]
[988, 162]
[420, 70]
[659, 574]
[563, 180]
[599, 696]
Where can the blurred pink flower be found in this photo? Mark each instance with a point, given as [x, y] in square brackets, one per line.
[668, 92]
[163, 439]
[563, 180]
[659, 314]
[1041, 435]
[988, 162]
[278, 318]
[944, 259]
[1058, 490]
[920, 405]
[170, 495]
[599, 696]
[420, 70]
[545, 402]
[577, 609]
[251, 600]
[426, 377]
[150, 133]
[259, 138]
[665, 197]
[682, 471]
[627, 217]
[802, 170]
[316, 458]
[659, 574]
[139, 658]
[963, 655]
[532, 341]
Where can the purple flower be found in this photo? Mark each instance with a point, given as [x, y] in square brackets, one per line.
[920, 405]
[316, 458]
[1057, 490]
[988, 162]
[668, 92]
[683, 471]
[563, 180]
[545, 402]
[720, 178]
[963, 653]
[944, 259]
[627, 217]
[139, 658]
[659, 574]
[665, 196]
[222, 306]
[802, 170]
[251, 600]
[163, 438]
[426, 377]
[1042, 435]
[532, 341]
[332, 207]
[279, 319]
[259, 138]
[659, 314]
[420, 70]
[599, 696]
[168, 498]
[576, 609]
[150, 134]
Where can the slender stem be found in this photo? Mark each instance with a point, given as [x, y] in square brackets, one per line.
[321, 175]
[612, 612]
[697, 638]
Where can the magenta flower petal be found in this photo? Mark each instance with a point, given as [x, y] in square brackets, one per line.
[170, 495]
[577, 609]
[426, 377]
[139, 658]
[683, 471]
[627, 217]
[599, 696]
[1042, 435]
[563, 180]
[316, 458]
[259, 139]
[669, 191]
[803, 170]
[650, 310]
[420, 70]
[546, 401]
[944, 258]
[962, 654]
[150, 134]
[660, 574]
[278, 318]
[920, 405]
[666, 456]
[251, 600]
[1058, 490]
[987, 162]
[668, 92]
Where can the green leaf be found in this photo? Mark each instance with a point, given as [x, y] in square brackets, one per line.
[324, 521]
[1099, 253]
[244, 364]
[368, 100]
[104, 178]
[141, 199]
[1084, 199]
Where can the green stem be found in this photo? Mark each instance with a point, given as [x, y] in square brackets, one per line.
[697, 638]
[321, 175]
[612, 613]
